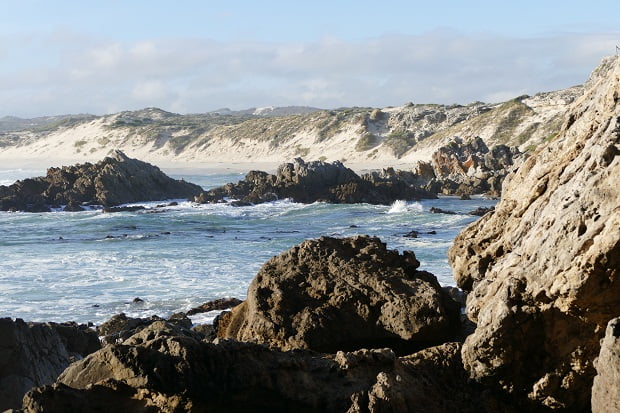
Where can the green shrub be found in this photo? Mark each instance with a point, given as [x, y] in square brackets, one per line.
[366, 141]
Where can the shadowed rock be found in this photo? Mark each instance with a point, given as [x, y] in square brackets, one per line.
[343, 294]
[115, 180]
[34, 354]
[167, 368]
[309, 182]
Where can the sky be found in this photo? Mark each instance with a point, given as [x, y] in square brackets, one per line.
[66, 56]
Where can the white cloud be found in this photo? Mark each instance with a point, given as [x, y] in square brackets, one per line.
[68, 73]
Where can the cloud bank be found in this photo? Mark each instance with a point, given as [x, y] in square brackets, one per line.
[69, 73]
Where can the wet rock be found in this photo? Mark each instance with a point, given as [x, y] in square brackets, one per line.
[543, 269]
[34, 354]
[115, 180]
[411, 234]
[480, 211]
[219, 304]
[343, 294]
[132, 208]
[435, 210]
[309, 182]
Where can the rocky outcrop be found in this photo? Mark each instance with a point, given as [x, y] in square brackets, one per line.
[167, 368]
[343, 294]
[115, 180]
[34, 354]
[544, 267]
[606, 388]
[309, 182]
[464, 168]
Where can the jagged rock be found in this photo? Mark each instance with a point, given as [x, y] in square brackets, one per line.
[34, 354]
[466, 168]
[309, 182]
[167, 368]
[219, 304]
[480, 211]
[115, 180]
[544, 267]
[606, 388]
[343, 294]
[120, 327]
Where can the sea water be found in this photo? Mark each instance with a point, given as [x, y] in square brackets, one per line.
[87, 266]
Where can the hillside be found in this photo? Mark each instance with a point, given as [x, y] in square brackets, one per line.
[370, 137]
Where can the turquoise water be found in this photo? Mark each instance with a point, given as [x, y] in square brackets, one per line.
[88, 266]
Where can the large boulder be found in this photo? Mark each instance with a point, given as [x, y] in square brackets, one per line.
[115, 180]
[544, 267]
[309, 182]
[34, 354]
[606, 388]
[343, 294]
[167, 368]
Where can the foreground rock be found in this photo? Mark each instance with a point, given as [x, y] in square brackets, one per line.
[606, 388]
[316, 181]
[167, 368]
[115, 180]
[34, 354]
[544, 268]
[343, 294]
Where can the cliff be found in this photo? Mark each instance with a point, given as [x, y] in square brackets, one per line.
[543, 269]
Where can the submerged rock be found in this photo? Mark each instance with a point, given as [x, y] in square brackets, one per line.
[34, 354]
[343, 294]
[309, 182]
[544, 267]
[115, 180]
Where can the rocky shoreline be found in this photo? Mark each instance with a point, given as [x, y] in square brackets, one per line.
[347, 325]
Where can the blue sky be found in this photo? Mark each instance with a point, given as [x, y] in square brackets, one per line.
[194, 56]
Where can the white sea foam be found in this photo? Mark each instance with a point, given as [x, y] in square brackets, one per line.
[53, 266]
[399, 206]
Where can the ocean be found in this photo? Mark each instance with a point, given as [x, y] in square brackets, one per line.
[88, 266]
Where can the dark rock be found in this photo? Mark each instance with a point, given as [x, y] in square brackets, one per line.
[343, 294]
[434, 210]
[34, 354]
[219, 304]
[120, 327]
[412, 234]
[138, 300]
[167, 368]
[480, 211]
[132, 208]
[309, 182]
[465, 197]
[115, 180]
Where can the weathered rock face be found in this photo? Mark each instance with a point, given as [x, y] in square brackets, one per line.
[343, 294]
[544, 268]
[167, 368]
[34, 354]
[316, 181]
[468, 168]
[606, 388]
[115, 180]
